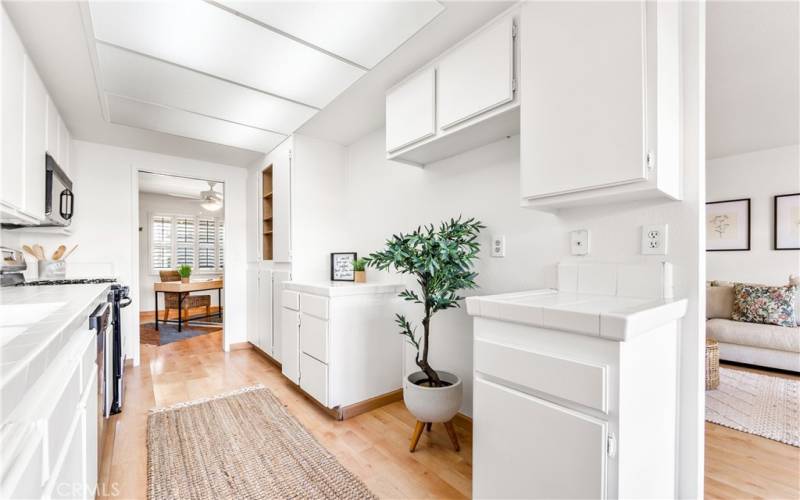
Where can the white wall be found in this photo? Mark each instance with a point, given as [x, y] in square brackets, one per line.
[105, 224]
[760, 176]
[150, 204]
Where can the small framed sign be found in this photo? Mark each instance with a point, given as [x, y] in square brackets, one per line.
[342, 266]
[787, 222]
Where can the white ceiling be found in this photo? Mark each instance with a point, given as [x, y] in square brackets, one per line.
[171, 185]
[202, 79]
[753, 76]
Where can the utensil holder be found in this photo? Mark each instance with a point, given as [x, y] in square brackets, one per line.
[52, 269]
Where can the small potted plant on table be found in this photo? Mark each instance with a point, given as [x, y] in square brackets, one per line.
[359, 269]
[185, 270]
[441, 260]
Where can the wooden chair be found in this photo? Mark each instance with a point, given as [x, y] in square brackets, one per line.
[189, 301]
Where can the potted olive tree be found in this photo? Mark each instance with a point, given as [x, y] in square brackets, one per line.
[441, 260]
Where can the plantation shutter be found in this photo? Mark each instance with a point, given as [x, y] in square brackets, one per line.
[184, 241]
[161, 237]
[206, 244]
[220, 239]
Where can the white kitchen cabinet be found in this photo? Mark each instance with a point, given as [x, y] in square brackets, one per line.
[265, 311]
[476, 76]
[600, 102]
[575, 391]
[282, 206]
[34, 143]
[265, 330]
[12, 81]
[64, 141]
[463, 99]
[513, 428]
[52, 129]
[411, 110]
[290, 331]
[341, 340]
[279, 277]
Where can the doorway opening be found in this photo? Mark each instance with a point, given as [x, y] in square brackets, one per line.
[181, 262]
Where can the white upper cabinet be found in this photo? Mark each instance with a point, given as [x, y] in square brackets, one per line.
[51, 135]
[64, 140]
[462, 100]
[281, 205]
[12, 73]
[599, 117]
[35, 115]
[476, 76]
[411, 111]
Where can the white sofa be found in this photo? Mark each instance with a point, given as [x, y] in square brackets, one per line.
[752, 343]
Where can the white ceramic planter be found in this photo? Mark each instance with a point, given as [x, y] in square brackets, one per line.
[433, 404]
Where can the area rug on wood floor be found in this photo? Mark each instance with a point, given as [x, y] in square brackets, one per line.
[241, 445]
[168, 333]
[759, 404]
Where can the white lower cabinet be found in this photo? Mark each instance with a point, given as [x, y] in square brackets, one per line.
[264, 328]
[339, 341]
[512, 429]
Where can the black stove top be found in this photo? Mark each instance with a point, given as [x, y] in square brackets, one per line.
[75, 281]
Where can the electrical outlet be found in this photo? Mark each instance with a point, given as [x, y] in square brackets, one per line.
[654, 239]
[498, 246]
[579, 242]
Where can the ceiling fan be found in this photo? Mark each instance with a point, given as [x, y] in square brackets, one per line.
[210, 199]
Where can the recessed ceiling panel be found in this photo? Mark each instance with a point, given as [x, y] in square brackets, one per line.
[207, 38]
[146, 79]
[124, 111]
[361, 31]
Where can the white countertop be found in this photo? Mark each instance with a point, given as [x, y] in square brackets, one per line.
[37, 321]
[607, 316]
[342, 288]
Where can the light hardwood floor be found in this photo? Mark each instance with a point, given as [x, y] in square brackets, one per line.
[741, 465]
[374, 445]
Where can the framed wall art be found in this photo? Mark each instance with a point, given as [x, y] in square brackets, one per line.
[728, 225]
[342, 266]
[786, 216]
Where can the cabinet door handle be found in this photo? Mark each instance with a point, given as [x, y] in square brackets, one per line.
[611, 447]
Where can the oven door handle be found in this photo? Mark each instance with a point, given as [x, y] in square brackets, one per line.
[65, 205]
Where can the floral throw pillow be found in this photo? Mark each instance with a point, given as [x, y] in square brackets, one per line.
[772, 305]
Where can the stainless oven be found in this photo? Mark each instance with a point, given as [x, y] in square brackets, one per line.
[59, 200]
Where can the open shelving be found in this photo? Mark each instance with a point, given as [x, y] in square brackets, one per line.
[266, 189]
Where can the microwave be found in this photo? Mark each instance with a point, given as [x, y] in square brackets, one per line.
[59, 200]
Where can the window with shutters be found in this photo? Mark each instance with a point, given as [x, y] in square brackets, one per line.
[183, 239]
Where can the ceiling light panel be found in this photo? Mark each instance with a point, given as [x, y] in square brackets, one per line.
[364, 32]
[207, 38]
[146, 79]
[124, 111]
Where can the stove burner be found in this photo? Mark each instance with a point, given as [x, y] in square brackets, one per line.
[78, 281]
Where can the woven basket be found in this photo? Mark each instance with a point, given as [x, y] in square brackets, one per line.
[712, 364]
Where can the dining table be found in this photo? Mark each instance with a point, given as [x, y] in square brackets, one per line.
[183, 289]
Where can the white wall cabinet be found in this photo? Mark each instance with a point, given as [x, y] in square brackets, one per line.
[30, 127]
[12, 74]
[411, 110]
[35, 132]
[282, 206]
[600, 111]
[339, 341]
[476, 76]
[264, 328]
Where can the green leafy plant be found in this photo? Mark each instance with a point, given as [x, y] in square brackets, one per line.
[441, 259]
[185, 270]
[359, 264]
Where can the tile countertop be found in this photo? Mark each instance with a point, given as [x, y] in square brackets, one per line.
[35, 324]
[342, 288]
[606, 316]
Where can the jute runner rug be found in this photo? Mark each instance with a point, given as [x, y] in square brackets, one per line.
[240, 445]
[757, 404]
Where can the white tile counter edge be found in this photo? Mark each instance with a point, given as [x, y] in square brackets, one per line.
[342, 288]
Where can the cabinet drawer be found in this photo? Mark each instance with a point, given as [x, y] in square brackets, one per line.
[314, 305]
[314, 378]
[290, 300]
[62, 415]
[314, 337]
[573, 380]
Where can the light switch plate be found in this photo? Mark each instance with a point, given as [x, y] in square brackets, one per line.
[498, 245]
[654, 239]
[579, 242]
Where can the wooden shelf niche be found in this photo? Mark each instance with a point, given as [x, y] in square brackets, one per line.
[266, 200]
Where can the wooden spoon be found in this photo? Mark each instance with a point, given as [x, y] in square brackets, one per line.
[30, 251]
[59, 252]
[39, 251]
[64, 257]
